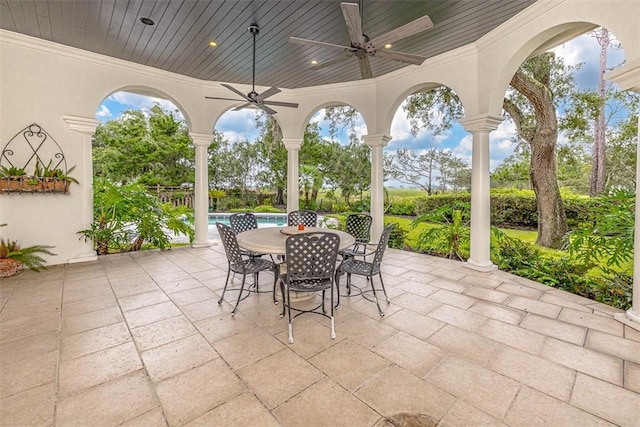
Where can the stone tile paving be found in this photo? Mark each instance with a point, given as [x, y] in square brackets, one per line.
[139, 339]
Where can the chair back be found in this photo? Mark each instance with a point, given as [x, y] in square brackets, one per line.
[382, 245]
[240, 222]
[230, 243]
[311, 257]
[359, 226]
[308, 218]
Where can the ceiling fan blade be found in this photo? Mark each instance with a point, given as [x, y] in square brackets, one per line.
[330, 63]
[242, 106]
[225, 99]
[400, 56]
[269, 92]
[351, 13]
[233, 89]
[281, 104]
[414, 27]
[266, 109]
[365, 68]
[320, 44]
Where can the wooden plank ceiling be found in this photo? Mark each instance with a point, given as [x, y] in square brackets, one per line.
[179, 40]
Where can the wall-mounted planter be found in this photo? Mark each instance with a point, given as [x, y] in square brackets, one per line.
[22, 184]
[33, 162]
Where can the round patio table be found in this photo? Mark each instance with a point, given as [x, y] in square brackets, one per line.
[271, 240]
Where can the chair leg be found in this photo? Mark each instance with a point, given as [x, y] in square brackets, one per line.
[284, 301]
[375, 296]
[349, 284]
[255, 281]
[244, 279]
[275, 282]
[226, 282]
[324, 310]
[289, 309]
[383, 289]
[333, 323]
[337, 279]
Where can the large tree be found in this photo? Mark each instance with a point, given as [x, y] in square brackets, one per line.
[536, 89]
[537, 86]
[150, 147]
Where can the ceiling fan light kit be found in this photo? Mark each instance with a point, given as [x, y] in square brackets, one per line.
[253, 98]
[362, 47]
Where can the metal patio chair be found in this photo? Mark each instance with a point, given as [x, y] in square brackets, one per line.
[310, 267]
[238, 264]
[308, 218]
[240, 222]
[359, 226]
[368, 269]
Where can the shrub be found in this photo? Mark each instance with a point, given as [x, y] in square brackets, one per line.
[397, 236]
[402, 206]
[561, 272]
[452, 237]
[340, 207]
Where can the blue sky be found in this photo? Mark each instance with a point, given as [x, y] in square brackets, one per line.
[239, 125]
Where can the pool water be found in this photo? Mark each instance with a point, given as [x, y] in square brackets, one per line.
[264, 220]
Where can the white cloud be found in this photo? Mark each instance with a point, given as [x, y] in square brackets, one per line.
[103, 111]
[464, 149]
[143, 103]
[238, 125]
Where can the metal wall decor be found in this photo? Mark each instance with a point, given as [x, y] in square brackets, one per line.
[33, 162]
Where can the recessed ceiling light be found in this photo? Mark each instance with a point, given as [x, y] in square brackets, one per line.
[388, 46]
[314, 62]
[213, 44]
[147, 21]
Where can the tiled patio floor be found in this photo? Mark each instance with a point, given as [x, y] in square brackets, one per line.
[139, 340]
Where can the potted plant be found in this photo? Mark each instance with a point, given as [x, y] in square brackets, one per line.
[12, 178]
[13, 257]
[57, 180]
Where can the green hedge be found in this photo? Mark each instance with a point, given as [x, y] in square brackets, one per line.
[509, 208]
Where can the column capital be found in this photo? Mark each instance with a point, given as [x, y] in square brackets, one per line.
[627, 76]
[376, 140]
[481, 122]
[201, 139]
[81, 124]
[292, 143]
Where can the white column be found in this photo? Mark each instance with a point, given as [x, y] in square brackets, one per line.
[480, 126]
[201, 142]
[376, 143]
[628, 78]
[87, 127]
[293, 190]
[632, 316]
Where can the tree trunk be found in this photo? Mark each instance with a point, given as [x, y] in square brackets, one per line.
[598, 171]
[279, 196]
[552, 220]
[137, 244]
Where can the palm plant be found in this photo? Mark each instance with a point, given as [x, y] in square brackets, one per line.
[30, 256]
[451, 236]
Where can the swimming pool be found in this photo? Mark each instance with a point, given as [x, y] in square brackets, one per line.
[264, 219]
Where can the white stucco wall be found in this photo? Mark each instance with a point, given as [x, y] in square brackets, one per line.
[41, 82]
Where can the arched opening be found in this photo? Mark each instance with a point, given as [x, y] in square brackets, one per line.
[247, 162]
[334, 163]
[143, 167]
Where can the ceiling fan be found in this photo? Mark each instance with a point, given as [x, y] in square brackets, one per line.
[253, 98]
[362, 47]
